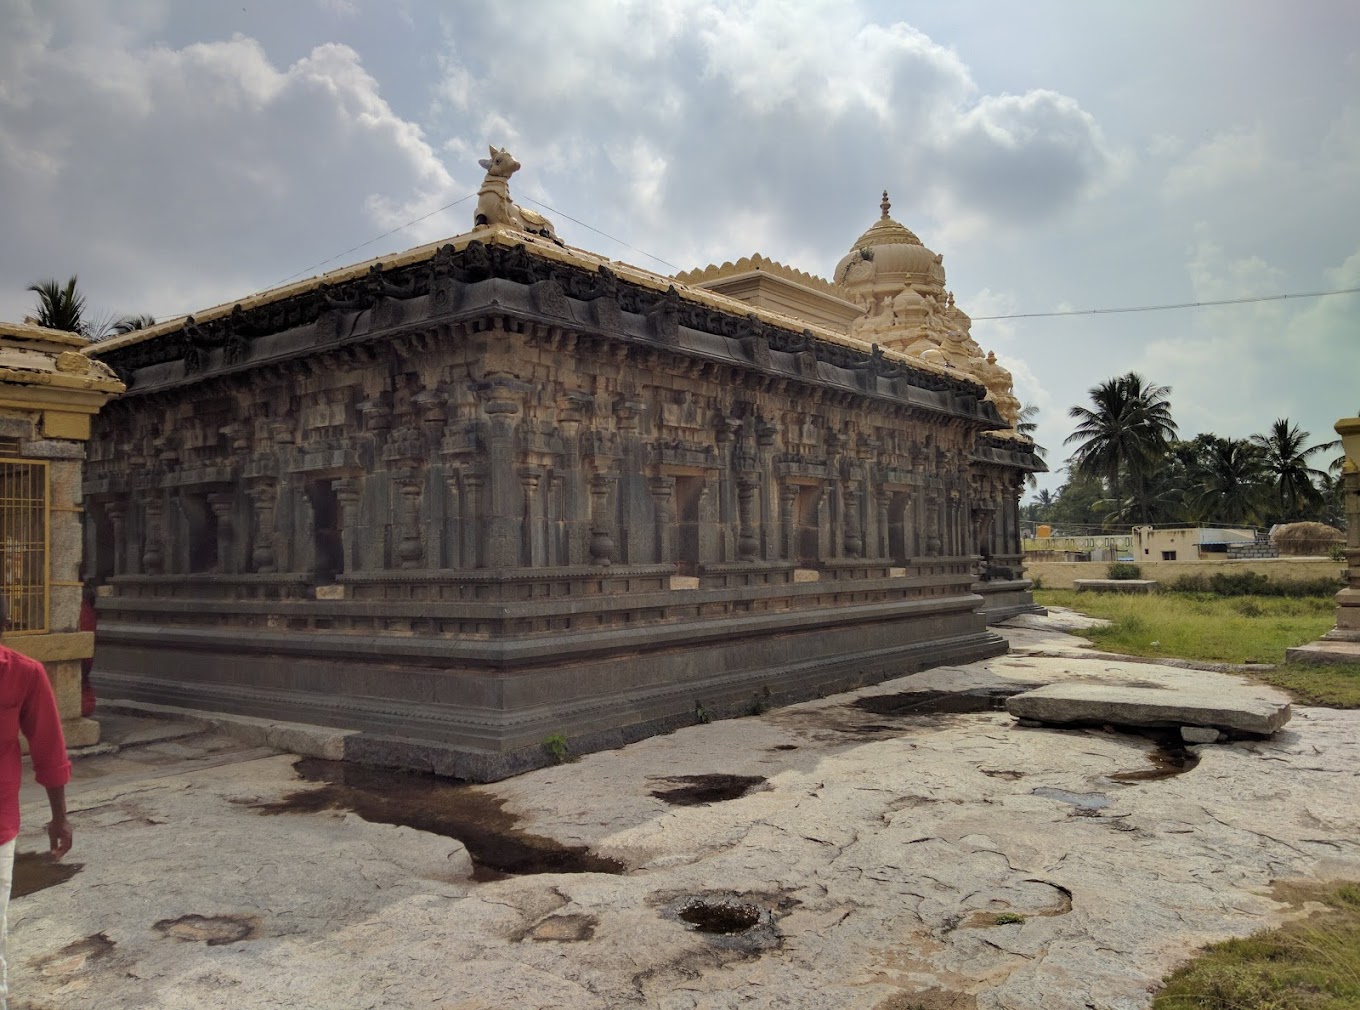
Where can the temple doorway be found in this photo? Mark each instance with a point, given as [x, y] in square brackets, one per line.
[689, 491]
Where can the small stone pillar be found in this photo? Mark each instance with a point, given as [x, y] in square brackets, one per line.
[1342, 643]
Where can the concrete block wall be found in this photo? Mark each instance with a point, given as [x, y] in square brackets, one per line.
[1061, 574]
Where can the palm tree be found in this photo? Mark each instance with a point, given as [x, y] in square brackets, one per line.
[128, 324]
[60, 308]
[1026, 426]
[1122, 435]
[1233, 483]
[1286, 460]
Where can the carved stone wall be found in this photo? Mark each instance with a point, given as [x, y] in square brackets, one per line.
[480, 466]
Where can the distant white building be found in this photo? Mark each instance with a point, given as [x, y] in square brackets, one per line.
[1190, 543]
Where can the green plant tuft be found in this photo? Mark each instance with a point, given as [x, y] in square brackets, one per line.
[1122, 570]
[1009, 918]
[556, 746]
[701, 714]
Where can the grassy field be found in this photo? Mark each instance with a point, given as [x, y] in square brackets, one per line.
[1308, 964]
[1237, 629]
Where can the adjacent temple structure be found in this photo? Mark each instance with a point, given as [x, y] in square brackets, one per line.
[496, 489]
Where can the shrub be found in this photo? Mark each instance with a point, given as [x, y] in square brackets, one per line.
[1337, 553]
[1123, 570]
[1252, 584]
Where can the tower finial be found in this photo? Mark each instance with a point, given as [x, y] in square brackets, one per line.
[885, 205]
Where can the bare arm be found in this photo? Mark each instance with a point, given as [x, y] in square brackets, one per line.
[58, 828]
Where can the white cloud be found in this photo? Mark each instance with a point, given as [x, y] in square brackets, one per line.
[176, 164]
[1227, 158]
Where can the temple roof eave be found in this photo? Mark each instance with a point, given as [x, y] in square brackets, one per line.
[536, 246]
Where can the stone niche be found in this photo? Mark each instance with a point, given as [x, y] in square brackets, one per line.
[496, 490]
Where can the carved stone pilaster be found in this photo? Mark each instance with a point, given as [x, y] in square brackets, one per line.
[153, 556]
[663, 496]
[788, 498]
[263, 496]
[221, 503]
[473, 484]
[117, 513]
[347, 493]
[854, 539]
[882, 499]
[602, 546]
[411, 550]
[532, 547]
[934, 543]
[748, 544]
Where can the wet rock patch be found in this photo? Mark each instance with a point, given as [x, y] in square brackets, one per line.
[696, 790]
[473, 816]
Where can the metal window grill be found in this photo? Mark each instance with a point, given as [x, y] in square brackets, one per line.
[23, 537]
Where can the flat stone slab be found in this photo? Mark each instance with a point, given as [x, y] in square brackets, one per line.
[1239, 709]
[1324, 651]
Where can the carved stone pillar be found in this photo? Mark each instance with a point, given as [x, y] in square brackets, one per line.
[454, 518]
[602, 547]
[263, 497]
[663, 495]
[153, 557]
[221, 503]
[788, 498]
[748, 544]
[411, 550]
[854, 538]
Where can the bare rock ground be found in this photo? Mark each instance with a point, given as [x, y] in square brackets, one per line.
[876, 852]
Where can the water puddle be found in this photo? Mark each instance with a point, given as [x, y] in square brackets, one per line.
[916, 703]
[443, 807]
[1168, 759]
[735, 922]
[696, 790]
[720, 917]
[37, 871]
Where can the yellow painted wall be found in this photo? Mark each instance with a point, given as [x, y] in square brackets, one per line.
[1060, 574]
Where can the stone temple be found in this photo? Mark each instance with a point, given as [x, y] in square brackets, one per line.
[495, 490]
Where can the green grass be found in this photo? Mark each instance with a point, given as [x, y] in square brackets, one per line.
[1214, 629]
[1238, 629]
[1308, 964]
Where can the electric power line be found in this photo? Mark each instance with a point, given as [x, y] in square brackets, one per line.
[1171, 305]
[605, 234]
[375, 238]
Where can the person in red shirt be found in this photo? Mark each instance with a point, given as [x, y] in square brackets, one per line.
[27, 706]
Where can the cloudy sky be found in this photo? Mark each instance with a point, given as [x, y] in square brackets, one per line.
[1060, 156]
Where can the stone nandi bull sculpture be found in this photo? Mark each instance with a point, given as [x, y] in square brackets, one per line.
[494, 205]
